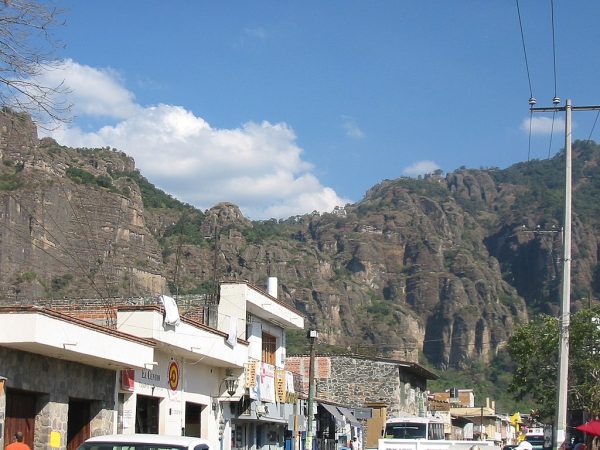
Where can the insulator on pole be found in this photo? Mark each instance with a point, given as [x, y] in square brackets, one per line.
[532, 101]
[556, 100]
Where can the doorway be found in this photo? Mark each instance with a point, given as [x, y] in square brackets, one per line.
[193, 419]
[78, 423]
[20, 416]
[146, 414]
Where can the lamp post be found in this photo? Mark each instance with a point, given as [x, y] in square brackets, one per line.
[231, 383]
[312, 335]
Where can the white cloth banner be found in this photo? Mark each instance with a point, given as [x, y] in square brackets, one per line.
[171, 311]
[232, 337]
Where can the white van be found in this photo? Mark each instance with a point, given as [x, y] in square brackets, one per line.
[145, 442]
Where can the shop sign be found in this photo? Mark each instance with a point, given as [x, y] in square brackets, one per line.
[267, 383]
[173, 375]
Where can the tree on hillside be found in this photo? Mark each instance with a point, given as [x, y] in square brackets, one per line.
[534, 348]
[26, 51]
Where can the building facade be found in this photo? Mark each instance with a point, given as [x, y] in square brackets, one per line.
[59, 376]
[146, 369]
[386, 387]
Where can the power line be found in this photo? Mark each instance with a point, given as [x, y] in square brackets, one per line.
[593, 127]
[55, 239]
[531, 97]
[554, 52]
[555, 100]
[551, 131]
[524, 51]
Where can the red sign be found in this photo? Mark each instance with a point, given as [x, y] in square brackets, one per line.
[128, 380]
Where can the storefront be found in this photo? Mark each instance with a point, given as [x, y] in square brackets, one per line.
[173, 397]
[336, 427]
[60, 376]
[264, 417]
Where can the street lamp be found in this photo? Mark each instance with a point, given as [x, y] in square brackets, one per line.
[231, 382]
[312, 335]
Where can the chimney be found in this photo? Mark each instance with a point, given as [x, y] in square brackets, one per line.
[272, 287]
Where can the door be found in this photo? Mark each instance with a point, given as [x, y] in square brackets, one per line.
[193, 414]
[146, 414]
[78, 423]
[20, 416]
[376, 424]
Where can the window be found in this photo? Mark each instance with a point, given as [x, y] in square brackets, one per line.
[406, 430]
[269, 347]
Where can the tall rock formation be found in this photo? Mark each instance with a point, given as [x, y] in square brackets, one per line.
[68, 228]
[440, 267]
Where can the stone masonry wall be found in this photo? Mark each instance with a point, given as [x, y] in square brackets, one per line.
[55, 381]
[355, 382]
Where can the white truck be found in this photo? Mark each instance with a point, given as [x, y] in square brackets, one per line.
[420, 433]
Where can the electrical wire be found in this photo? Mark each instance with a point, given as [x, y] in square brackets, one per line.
[55, 240]
[555, 99]
[593, 127]
[524, 48]
[551, 132]
[86, 236]
[531, 98]
[553, 46]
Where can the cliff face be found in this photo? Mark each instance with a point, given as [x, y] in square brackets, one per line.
[444, 267]
[398, 274]
[67, 228]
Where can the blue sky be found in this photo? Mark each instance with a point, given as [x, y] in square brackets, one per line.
[288, 107]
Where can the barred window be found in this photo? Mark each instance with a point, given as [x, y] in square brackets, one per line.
[269, 347]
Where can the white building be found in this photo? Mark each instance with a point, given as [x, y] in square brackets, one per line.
[154, 372]
[262, 416]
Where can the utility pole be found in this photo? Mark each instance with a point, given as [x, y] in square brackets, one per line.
[312, 335]
[560, 417]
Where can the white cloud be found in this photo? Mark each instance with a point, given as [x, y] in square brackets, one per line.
[420, 168]
[257, 166]
[543, 125]
[97, 93]
[351, 128]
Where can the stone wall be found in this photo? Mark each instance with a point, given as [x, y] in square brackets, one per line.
[54, 382]
[358, 381]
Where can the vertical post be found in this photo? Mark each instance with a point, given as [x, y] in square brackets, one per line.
[312, 335]
[295, 444]
[481, 429]
[560, 424]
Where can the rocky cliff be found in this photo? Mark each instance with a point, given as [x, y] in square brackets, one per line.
[443, 267]
[67, 228]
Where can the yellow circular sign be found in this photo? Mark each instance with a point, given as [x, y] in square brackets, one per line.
[173, 375]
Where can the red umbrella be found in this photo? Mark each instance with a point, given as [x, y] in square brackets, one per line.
[592, 427]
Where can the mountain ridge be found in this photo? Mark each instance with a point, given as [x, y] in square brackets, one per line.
[439, 267]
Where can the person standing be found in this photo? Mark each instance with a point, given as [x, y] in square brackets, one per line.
[18, 444]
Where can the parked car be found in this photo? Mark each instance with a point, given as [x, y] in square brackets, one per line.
[537, 442]
[145, 442]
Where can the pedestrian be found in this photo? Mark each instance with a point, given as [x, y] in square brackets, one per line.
[354, 444]
[18, 444]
